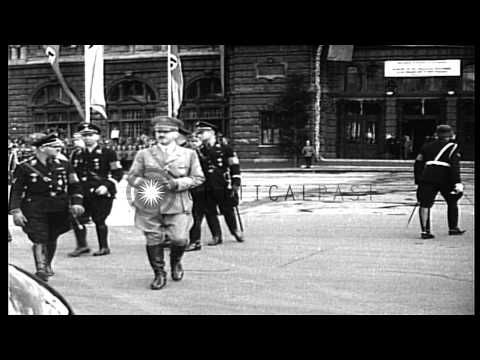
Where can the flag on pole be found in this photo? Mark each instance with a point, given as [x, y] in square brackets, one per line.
[53, 53]
[340, 52]
[94, 91]
[175, 80]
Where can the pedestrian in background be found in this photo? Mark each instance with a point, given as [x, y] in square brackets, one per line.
[308, 151]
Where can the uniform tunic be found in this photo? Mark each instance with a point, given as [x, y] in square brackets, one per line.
[170, 212]
[434, 174]
[43, 193]
[93, 169]
[222, 171]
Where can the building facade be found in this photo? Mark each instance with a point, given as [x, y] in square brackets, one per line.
[354, 109]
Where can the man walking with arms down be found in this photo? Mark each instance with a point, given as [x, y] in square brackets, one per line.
[221, 167]
[161, 177]
[437, 169]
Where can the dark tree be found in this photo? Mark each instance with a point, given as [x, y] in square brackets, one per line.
[292, 113]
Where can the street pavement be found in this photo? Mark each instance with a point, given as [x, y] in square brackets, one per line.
[316, 243]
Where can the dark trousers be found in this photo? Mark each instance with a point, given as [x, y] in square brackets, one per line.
[426, 194]
[206, 203]
[308, 161]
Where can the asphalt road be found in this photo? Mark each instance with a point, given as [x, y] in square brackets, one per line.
[343, 252]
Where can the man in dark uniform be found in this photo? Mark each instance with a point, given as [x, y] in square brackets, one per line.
[43, 188]
[93, 164]
[222, 171]
[437, 169]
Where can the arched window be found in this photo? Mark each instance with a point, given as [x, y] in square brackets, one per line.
[204, 88]
[131, 104]
[353, 79]
[468, 78]
[204, 101]
[53, 110]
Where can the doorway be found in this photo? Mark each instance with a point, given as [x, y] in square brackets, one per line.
[420, 131]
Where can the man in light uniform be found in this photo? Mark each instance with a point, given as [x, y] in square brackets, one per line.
[162, 176]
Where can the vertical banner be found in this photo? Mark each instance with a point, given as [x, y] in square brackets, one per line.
[340, 53]
[94, 91]
[175, 81]
[53, 53]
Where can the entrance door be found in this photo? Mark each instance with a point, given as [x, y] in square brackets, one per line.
[359, 129]
[420, 131]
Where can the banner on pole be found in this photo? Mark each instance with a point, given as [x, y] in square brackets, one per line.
[53, 54]
[94, 90]
[176, 83]
[340, 53]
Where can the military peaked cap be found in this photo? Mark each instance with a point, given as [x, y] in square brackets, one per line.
[184, 132]
[88, 128]
[166, 123]
[49, 140]
[203, 125]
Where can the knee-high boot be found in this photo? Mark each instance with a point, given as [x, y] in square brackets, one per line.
[157, 262]
[176, 253]
[40, 256]
[102, 235]
[81, 238]
[231, 221]
[215, 229]
[51, 249]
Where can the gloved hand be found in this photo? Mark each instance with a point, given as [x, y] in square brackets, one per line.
[18, 218]
[77, 210]
[101, 190]
[459, 188]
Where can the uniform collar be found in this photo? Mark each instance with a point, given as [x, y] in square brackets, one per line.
[167, 149]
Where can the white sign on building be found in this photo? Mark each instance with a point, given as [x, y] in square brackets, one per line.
[422, 68]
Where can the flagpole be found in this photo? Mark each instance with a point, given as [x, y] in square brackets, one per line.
[169, 85]
[87, 89]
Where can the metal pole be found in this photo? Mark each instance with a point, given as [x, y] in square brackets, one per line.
[169, 85]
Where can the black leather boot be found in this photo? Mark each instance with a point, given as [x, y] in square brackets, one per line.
[102, 234]
[156, 258]
[51, 248]
[40, 256]
[81, 237]
[424, 215]
[176, 253]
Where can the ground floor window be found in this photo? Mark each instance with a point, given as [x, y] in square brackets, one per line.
[270, 128]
